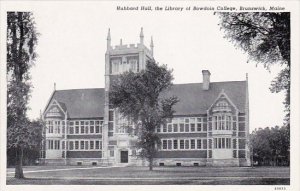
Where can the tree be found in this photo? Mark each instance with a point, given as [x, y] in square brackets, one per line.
[21, 44]
[271, 146]
[31, 152]
[265, 36]
[138, 96]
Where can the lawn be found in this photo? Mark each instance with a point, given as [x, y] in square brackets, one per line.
[160, 175]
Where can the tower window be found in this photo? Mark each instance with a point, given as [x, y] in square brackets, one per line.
[133, 65]
[115, 65]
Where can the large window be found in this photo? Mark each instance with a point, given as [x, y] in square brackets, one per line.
[133, 65]
[184, 125]
[85, 127]
[85, 145]
[182, 144]
[115, 65]
[222, 143]
[222, 121]
[53, 144]
[55, 126]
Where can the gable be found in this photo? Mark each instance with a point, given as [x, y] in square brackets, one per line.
[223, 104]
[54, 110]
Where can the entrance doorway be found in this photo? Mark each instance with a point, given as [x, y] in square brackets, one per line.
[124, 156]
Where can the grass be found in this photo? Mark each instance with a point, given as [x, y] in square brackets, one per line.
[160, 175]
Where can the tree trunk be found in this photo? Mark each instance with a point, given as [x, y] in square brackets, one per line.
[151, 164]
[19, 164]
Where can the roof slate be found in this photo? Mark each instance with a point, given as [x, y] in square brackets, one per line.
[82, 103]
[193, 100]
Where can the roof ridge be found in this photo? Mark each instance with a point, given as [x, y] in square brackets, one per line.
[80, 89]
[210, 82]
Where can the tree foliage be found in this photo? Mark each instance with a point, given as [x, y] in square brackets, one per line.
[271, 146]
[265, 36]
[138, 97]
[21, 44]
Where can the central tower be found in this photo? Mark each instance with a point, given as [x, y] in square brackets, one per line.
[118, 144]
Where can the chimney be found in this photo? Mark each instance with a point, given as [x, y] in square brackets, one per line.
[206, 79]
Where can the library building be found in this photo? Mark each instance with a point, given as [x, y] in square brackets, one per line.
[210, 126]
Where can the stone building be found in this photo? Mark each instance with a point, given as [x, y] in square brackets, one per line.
[210, 126]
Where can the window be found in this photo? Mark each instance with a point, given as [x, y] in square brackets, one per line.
[164, 128]
[71, 145]
[76, 129]
[82, 129]
[187, 144]
[175, 144]
[228, 143]
[175, 127]
[222, 143]
[82, 145]
[164, 144]
[181, 144]
[91, 145]
[181, 125]
[199, 127]
[50, 144]
[187, 127]
[56, 144]
[97, 129]
[97, 145]
[184, 125]
[71, 128]
[242, 143]
[92, 129]
[192, 143]
[115, 65]
[169, 127]
[76, 145]
[111, 115]
[219, 143]
[193, 127]
[50, 126]
[133, 65]
[198, 143]
[222, 122]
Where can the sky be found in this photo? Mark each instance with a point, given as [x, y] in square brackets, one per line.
[72, 46]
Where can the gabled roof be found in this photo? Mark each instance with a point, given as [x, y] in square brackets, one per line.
[81, 103]
[193, 100]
